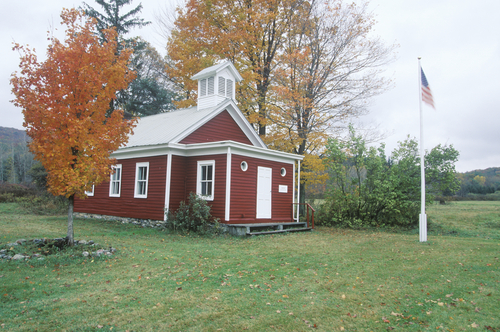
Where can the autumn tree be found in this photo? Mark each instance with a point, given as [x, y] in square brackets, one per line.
[329, 68]
[249, 33]
[64, 100]
[308, 66]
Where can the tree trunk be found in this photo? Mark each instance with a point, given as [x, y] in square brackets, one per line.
[70, 238]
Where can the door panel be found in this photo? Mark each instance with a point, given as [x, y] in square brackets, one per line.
[264, 187]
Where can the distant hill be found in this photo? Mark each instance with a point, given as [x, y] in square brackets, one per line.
[480, 181]
[12, 135]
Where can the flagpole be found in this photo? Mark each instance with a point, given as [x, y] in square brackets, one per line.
[423, 216]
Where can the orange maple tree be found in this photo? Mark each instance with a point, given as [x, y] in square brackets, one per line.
[64, 100]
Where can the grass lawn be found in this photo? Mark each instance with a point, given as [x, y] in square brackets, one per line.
[325, 280]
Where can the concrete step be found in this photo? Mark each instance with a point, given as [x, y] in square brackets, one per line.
[265, 228]
[289, 230]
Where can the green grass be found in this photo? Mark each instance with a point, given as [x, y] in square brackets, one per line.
[466, 218]
[326, 280]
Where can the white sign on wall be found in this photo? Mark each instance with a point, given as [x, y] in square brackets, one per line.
[283, 189]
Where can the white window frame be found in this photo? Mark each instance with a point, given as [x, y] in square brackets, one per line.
[199, 181]
[138, 166]
[119, 180]
[90, 193]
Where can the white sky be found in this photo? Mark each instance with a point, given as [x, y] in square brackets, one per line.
[459, 42]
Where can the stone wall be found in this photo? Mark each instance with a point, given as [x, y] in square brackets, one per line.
[134, 221]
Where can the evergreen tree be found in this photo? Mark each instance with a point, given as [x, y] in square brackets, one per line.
[151, 92]
[148, 93]
[112, 18]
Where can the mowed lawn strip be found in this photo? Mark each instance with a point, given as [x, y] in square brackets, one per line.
[325, 280]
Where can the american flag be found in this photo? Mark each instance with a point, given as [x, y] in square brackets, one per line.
[426, 90]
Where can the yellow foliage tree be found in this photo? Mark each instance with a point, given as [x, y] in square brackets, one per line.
[64, 101]
[308, 66]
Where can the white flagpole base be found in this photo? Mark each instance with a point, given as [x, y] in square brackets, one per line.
[423, 227]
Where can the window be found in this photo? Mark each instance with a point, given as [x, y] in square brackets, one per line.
[115, 181]
[283, 171]
[229, 88]
[205, 183]
[203, 87]
[141, 180]
[222, 86]
[91, 192]
[244, 166]
[210, 86]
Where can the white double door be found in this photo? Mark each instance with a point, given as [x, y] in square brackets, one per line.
[264, 189]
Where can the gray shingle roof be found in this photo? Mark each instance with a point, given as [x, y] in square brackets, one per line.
[164, 128]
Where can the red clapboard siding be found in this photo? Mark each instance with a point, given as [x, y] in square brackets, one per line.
[219, 202]
[244, 191]
[178, 178]
[126, 205]
[220, 128]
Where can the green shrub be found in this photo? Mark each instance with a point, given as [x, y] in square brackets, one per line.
[194, 217]
[7, 198]
[10, 191]
[44, 204]
[33, 201]
[367, 189]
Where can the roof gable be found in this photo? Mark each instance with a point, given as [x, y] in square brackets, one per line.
[174, 127]
[211, 131]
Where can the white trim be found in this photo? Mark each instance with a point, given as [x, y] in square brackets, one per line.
[200, 149]
[228, 184]
[90, 193]
[138, 166]
[119, 180]
[298, 191]
[283, 171]
[210, 71]
[167, 184]
[293, 190]
[202, 163]
[258, 212]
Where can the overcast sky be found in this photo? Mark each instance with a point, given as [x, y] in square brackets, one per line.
[459, 42]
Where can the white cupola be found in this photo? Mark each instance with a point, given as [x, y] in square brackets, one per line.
[216, 84]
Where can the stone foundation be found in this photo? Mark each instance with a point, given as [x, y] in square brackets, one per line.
[139, 222]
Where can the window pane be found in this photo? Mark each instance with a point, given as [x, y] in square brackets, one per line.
[117, 173]
[203, 87]
[210, 86]
[204, 188]
[141, 188]
[229, 88]
[203, 173]
[222, 86]
[209, 189]
[142, 173]
[116, 188]
[209, 173]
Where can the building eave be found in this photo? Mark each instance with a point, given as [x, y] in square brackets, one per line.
[200, 149]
